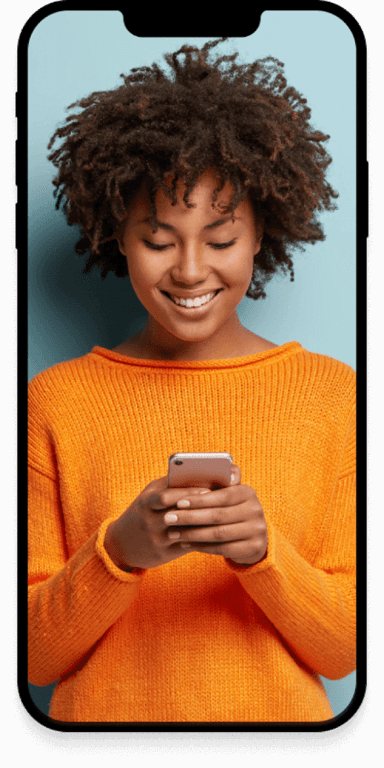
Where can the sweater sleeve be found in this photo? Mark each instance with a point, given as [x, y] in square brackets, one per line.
[311, 601]
[73, 601]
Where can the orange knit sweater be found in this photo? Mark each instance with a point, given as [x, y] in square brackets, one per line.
[198, 639]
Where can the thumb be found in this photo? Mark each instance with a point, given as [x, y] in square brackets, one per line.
[236, 475]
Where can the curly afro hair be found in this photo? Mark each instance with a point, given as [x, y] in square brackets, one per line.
[241, 119]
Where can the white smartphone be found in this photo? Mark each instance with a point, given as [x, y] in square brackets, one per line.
[205, 470]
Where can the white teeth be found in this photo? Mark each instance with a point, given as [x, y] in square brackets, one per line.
[193, 302]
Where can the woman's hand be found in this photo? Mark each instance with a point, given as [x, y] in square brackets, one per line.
[139, 537]
[228, 522]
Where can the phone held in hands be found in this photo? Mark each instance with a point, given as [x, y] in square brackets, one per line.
[204, 470]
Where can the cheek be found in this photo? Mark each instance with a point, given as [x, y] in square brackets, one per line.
[139, 278]
[239, 270]
[143, 270]
[144, 277]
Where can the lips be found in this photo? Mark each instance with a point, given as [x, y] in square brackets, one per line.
[192, 302]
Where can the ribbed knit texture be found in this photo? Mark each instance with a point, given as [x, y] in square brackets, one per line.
[199, 639]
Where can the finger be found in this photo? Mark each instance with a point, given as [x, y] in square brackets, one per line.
[224, 497]
[209, 516]
[236, 475]
[212, 535]
[165, 498]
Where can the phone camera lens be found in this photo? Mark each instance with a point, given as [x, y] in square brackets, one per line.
[178, 461]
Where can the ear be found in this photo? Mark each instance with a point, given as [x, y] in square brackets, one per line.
[120, 246]
[258, 242]
[119, 236]
[259, 235]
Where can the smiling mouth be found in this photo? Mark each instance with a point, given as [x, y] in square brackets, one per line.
[199, 301]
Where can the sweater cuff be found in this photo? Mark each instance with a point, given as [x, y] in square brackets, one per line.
[268, 559]
[131, 576]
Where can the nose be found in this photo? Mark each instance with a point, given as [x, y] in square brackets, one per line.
[189, 267]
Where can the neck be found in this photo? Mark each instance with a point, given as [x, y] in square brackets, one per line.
[232, 340]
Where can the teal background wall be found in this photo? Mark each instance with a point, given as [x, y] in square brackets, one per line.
[73, 53]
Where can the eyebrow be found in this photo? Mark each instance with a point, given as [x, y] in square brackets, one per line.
[164, 225]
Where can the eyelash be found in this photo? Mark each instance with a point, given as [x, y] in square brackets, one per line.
[216, 246]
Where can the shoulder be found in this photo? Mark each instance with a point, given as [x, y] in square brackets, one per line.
[324, 381]
[60, 380]
[294, 362]
[322, 368]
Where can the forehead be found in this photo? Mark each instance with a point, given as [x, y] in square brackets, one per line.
[201, 199]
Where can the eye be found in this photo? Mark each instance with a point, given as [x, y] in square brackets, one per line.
[154, 247]
[220, 246]
[217, 246]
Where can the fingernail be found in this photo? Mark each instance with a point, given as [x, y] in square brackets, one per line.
[174, 535]
[232, 478]
[169, 518]
[183, 503]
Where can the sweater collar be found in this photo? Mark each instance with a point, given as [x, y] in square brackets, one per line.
[274, 354]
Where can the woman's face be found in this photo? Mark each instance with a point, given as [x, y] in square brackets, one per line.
[192, 273]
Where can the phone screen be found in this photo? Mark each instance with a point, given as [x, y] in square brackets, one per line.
[72, 53]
